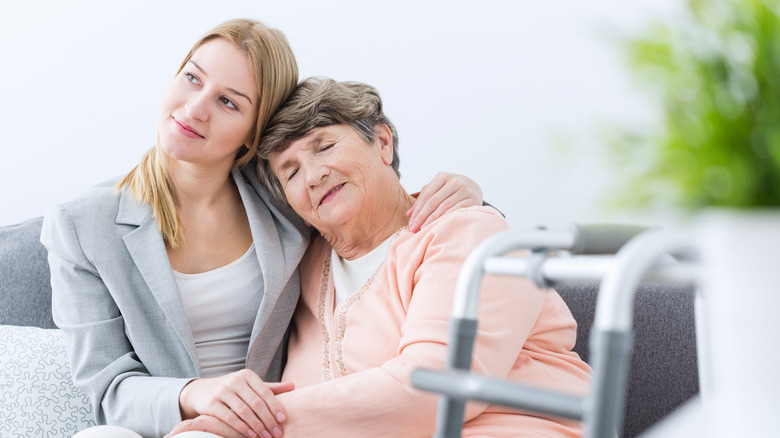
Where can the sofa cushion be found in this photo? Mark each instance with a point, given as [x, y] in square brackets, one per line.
[37, 396]
[663, 373]
[25, 285]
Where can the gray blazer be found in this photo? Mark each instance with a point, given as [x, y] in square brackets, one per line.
[115, 297]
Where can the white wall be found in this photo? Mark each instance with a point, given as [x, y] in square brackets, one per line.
[484, 88]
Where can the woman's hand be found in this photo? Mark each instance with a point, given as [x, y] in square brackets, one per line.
[240, 399]
[446, 192]
[206, 423]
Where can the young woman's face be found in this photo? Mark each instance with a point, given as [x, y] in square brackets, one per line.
[210, 108]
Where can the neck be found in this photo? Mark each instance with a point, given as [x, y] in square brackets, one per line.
[372, 227]
[200, 187]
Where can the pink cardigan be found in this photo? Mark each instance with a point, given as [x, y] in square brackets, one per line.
[351, 364]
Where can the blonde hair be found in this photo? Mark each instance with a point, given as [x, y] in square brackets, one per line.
[316, 103]
[276, 74]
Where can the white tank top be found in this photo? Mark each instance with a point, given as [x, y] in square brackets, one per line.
[221, 306]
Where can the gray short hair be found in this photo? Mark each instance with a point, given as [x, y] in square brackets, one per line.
[317, 103]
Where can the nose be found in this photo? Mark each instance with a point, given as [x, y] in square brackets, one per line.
[197, 106]
[314, 172]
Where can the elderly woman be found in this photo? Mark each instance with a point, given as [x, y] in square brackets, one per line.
[376, 298]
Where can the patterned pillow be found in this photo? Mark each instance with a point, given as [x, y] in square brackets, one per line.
[37, 396]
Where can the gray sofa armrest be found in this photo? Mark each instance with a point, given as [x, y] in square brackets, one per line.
[25, 286]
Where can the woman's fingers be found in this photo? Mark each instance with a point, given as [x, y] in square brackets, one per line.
[239, 417]
[280, 387]
[423, 206]
[263, 404]
[241, 400]
[446, 206]
[446, 192]
[256, 403]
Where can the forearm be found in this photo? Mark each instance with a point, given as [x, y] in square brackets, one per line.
[370, 403]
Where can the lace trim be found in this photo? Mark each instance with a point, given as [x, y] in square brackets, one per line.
[321, 316]
[343, 310]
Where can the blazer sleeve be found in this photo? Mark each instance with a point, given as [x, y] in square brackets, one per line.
[381, 402]
[103, 362]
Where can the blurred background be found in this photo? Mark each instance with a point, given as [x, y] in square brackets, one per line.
[515, 94]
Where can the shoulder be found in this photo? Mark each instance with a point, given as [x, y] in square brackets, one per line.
[91, 213]
[97, 200]
[449, 239]
[484, 215]
[465, 224]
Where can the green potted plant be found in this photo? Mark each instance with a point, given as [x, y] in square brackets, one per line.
[715, 75]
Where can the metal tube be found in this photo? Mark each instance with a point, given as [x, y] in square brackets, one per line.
[614, 308]
[610, 354]
[449, 417]
[464, 386]
[449, 420]
[612, 336]
[467, 287]
[589, 268]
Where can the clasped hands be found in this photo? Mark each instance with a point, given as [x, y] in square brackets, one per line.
[239, 404]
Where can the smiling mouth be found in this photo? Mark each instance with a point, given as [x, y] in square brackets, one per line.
[331, 192]
[188, 130]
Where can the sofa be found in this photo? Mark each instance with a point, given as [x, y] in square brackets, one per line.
[37, 398]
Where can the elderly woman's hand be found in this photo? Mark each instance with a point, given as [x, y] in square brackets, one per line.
[241, 399]
[206, 423]
[445, 193]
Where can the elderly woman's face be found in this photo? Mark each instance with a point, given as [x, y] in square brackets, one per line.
[332, 174]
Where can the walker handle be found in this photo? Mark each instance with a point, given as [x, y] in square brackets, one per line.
[603, 238]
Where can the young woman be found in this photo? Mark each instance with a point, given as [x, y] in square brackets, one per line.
[175, 286]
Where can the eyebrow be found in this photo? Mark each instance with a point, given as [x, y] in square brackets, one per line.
[232, 90]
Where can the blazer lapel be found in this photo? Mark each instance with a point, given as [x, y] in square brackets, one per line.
[147, 248]
[271, 228]
[268, 249]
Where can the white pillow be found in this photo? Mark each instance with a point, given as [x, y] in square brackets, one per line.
[37, 396]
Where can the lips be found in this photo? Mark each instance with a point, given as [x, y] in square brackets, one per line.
[187, 130]
[330, 193]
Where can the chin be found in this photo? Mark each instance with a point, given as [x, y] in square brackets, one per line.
[331, 223]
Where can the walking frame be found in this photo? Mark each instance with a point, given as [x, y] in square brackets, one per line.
[620, 257]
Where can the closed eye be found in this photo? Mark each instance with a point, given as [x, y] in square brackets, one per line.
[327, 146]
[291, 174]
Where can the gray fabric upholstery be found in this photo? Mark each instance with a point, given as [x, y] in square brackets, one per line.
[663, 373]
[25, 288]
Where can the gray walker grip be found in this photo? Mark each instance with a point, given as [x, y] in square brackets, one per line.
[603, 238]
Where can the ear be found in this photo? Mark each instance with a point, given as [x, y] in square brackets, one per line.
[249, 138]
[385, 139]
